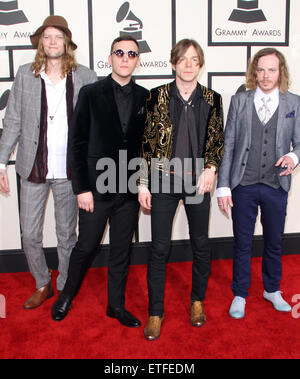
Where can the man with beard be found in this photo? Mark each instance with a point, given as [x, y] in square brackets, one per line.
[38, 115]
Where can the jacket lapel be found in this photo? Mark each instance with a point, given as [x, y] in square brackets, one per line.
[36, 88]
[249, 114]
[282, 110]
[110, 106]
[136, 105]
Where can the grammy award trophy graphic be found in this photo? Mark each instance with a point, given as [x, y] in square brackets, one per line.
[247, 12]
[134, 26]
[9, 13]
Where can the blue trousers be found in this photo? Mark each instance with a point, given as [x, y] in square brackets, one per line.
[272, 203]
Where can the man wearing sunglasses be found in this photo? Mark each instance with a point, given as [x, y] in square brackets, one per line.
[109, 119]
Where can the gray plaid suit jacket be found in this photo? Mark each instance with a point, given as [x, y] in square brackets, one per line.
[238, 136]
[22, 117]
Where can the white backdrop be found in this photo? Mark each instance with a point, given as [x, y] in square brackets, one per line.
[158, 24]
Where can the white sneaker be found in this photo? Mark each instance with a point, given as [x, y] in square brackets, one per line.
[276, 299]
[237, 309]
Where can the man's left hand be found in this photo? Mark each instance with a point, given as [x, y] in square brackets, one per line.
[287, 163]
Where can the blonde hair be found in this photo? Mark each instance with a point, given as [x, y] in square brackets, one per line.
[69, 63]
[251, 75]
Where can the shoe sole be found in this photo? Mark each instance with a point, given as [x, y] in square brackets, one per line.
[236, 317]
[62, 318]
[279, 310]
[152, 338]
[48, 297]
[111, 315]
[198, 325]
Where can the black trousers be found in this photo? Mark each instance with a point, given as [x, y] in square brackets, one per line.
[122, 215]
[162, 213]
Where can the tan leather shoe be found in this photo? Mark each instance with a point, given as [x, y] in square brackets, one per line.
[152, 329]
[198, 317]
[39, 297]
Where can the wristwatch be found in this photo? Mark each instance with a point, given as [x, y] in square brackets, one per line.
[211, 167]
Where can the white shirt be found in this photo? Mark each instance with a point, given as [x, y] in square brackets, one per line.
[57, 130]
[272, 105]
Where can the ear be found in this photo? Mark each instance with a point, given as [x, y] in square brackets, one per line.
[109, 59]
[138, 63]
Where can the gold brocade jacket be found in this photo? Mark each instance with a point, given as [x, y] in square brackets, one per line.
[158, 135]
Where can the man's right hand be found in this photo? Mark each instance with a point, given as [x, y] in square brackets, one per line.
[224, 202]
[145, 197]
[86, 201]
[4, 183]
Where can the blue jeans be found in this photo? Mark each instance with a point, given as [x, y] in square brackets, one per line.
[272, 203]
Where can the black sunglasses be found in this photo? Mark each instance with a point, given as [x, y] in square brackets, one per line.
[130, 54]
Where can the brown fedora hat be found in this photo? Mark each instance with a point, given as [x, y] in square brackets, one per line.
[56, 22]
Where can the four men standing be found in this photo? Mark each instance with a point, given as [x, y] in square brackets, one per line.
[179, 133]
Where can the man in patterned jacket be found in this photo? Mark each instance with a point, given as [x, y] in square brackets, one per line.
[184, 128]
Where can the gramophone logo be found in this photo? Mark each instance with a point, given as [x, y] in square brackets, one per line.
[9, 13]
[248, 22]
[132, 26]
[247, 12]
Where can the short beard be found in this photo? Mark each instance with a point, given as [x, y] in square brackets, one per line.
[54, 56]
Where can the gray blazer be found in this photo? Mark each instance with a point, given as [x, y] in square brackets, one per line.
[22, 117]
[238, 136]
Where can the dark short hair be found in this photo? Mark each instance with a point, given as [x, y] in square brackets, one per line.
[181, 47]
[126, 37]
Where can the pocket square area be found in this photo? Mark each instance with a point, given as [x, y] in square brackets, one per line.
[290, 115]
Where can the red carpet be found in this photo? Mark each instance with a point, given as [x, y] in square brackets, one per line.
[88, 333]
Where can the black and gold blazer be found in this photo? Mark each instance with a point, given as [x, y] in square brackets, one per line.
[158, 135]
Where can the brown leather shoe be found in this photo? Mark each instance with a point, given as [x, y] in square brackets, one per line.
[39, 297]
[152, 329]
[198, 317]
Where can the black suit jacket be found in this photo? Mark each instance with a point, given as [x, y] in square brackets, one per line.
[96, 133]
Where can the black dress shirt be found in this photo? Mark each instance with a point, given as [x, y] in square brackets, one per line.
[123, 97]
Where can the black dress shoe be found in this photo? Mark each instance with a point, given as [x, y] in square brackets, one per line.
[123, 316]
[61, 307]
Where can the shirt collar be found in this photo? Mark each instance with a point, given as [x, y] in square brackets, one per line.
[44, 76]
[127, 88]
[174, 91]
[274, 95]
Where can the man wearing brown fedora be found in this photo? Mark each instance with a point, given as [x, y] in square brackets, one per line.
[37, 117]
